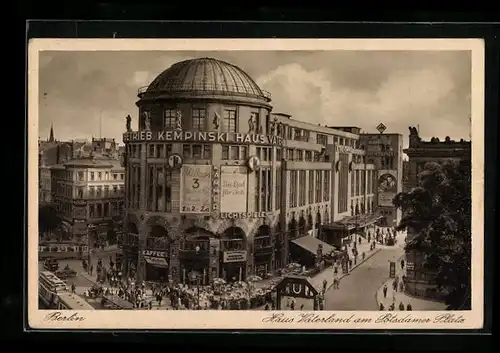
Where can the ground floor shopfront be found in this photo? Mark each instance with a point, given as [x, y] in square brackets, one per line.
[344, 232]
[199, 253]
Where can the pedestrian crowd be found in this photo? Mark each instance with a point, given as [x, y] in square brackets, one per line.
[398, 284]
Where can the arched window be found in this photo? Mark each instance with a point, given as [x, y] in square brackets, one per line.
[233, 238]
[158, 238]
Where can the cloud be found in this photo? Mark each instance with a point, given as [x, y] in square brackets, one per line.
[82, 93]
[403, 97]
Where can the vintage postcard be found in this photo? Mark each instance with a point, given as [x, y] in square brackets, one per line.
[255, 184]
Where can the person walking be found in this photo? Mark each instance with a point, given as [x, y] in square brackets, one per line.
[381, 307]
[385, 290]
[408, 307]
[402, 263]
[401, 306]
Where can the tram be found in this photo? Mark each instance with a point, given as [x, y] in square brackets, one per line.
[71, 301]
[49, 288]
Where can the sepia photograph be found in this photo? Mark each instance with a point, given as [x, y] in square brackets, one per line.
[260, 184]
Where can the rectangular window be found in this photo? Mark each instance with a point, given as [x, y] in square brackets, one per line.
[293, 188]
[207, 151]
[92, 176]
[243, 152]
[169, 118]
[308, 156]
[326, 181]
[319, 195]
[258, 152]
[225, 152]
[80, 176]
[278, 154]
[256, 119]
[186, 151]
[297, 156]
[229, 121]
[321, 139]
[302, 189]
[197, 151]
[258, 185]
[199, 119]
[234, 152]
[160, 151]
[160, 181]
[353, 183]
[311, 186]
[277, 189]
[290, 154]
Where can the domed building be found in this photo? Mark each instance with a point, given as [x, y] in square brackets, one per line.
[218, 186]
[192, 171]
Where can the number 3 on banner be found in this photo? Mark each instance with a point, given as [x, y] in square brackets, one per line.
[196, 183]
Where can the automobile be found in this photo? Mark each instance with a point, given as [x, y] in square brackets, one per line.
[51, 264]
[66, 272]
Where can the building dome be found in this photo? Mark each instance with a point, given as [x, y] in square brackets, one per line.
[204, 77]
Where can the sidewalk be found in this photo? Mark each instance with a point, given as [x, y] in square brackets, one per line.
[401, 297]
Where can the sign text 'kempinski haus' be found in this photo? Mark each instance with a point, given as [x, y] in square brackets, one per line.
[199, 136]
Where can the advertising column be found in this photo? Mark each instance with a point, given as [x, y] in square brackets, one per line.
[80, 227]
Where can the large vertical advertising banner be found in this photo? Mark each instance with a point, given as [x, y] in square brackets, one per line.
[196, 189]
[387, 187]
[234, 189]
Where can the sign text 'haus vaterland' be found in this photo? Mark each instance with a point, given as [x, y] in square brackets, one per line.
[199, 136]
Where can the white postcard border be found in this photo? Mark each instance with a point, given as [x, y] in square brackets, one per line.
[237, 320]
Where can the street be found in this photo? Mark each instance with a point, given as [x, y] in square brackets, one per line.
[357, 290]
[80, 282]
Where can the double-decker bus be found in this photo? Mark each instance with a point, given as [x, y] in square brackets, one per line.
[71, 301]
[49, 287]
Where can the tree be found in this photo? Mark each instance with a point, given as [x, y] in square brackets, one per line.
[438, 214]
[48, 219]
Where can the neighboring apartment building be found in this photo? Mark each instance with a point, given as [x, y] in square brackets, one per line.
[217, 184]
[89, 192]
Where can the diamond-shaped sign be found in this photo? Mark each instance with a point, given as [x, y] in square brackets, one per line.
[381, 128]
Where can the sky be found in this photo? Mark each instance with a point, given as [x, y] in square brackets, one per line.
[430, 89]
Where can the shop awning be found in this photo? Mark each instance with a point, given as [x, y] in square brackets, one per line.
[353, 222]
[310, 244]
[156, 261]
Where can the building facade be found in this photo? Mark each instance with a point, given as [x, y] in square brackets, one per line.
[219, 186]
[420, 279]
[89, 195]
[385, 152]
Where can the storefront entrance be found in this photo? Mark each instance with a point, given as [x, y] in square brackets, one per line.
[157, 255]
[233, 261]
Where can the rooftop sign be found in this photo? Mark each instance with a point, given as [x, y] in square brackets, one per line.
[198, 136]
